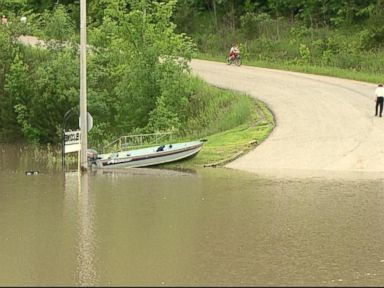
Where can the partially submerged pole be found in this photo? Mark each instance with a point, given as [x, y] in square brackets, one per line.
[83, 85]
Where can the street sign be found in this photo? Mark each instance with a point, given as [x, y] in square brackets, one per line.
[89, 122]
[72, 141]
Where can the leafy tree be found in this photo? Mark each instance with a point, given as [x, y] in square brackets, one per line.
[137, 72]
[58, 24]
[8, 123]
[12, 5]
[143, 48]
[18, 89]
[55, 91]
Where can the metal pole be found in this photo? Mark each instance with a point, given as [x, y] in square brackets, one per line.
[66, 117]
[63, 149]
[83, 85]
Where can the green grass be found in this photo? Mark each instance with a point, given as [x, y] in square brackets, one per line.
[225, 146]
[321, 70]
[309, 69]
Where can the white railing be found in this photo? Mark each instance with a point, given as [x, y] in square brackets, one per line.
[139, 140]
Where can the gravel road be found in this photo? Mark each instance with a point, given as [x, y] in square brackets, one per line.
[324, 126]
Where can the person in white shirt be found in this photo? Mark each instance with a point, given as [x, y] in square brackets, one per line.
[234, 51]
[379, 97]
[4, 20]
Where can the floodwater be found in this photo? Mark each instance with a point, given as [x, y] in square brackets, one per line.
[211, 227]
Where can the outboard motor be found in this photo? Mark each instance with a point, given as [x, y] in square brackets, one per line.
[92, 156]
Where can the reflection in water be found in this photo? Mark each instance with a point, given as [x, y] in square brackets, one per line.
[77, 195]
[86, 259]
[215, 227]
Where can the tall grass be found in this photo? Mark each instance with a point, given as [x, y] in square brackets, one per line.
[34, 157]
[349, 52]
[214, 110]
[223, 147]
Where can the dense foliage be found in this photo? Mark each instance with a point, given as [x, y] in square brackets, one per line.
[137, 74]
[346, 34]
[138, 79]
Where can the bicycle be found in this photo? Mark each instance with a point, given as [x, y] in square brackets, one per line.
[236, 61]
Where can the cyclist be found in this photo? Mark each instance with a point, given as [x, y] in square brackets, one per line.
[234, 52]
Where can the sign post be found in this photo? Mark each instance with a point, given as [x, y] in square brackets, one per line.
[83, 85]
[72, 141]
[67, 115]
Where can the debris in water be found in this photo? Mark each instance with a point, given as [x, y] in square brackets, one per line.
[31, 173]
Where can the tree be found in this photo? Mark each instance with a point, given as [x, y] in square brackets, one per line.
[58, 25]
[8, 124]
[18, 89]
[144, 50]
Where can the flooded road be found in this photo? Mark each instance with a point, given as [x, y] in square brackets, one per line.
[213, 227]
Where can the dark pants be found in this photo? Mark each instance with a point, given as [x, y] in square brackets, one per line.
[379, 103]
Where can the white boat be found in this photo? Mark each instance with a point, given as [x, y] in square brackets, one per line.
[150, 156]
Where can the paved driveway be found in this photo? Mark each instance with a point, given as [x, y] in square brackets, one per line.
[324, 125]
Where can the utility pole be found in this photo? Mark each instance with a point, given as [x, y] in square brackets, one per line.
[83, 85]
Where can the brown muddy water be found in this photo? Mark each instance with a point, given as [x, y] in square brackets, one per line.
[211, 227]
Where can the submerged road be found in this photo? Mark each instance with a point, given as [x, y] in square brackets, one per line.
[324, 125]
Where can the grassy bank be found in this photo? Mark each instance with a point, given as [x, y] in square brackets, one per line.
[232, 122]
[364, 76]
[228, 145]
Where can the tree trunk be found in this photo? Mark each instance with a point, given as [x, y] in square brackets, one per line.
[214, 13]
[233, 15]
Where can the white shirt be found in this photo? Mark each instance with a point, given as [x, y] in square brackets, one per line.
[379, 92]
[234, 49]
